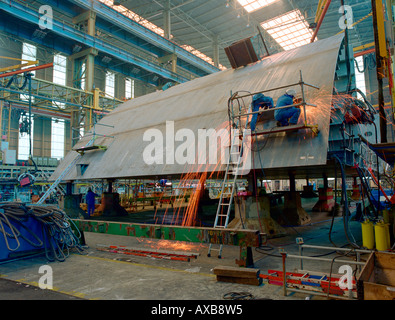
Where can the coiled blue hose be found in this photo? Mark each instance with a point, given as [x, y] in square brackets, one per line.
[57, 236]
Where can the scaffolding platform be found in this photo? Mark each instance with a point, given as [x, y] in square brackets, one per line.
[82, 150]
[266, 116]
[290, 128]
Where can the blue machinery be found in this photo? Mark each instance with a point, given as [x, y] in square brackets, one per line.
[33, 230]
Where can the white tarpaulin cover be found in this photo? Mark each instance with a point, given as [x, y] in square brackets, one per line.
[203, 104]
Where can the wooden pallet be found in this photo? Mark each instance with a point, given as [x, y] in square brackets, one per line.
[238, 275]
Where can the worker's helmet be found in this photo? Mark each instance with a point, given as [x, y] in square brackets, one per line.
[257, 96]
[291, 92]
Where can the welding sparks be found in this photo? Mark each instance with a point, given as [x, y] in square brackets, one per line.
[196, 176]
[170, 245]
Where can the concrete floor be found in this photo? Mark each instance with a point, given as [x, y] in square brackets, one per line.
[99, 275]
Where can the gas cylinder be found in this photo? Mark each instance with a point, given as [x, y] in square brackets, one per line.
[381, 232]
[367, 234]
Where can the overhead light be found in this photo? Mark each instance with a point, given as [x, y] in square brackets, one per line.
[76, 48]
[106, 59]
[39, 34]
[252, 5]
[290, 30]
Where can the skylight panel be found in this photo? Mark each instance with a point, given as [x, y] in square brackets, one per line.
[149, 25]
[252, 5]
[290, 26]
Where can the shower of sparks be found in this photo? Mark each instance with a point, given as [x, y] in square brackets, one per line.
[195, 175]
[170, 245]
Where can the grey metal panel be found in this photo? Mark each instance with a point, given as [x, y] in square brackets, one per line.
[202, 104]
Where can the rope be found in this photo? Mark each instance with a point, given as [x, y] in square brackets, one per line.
[57, 236]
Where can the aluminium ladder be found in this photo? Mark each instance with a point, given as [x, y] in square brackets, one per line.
[232, 168]
[62, 175]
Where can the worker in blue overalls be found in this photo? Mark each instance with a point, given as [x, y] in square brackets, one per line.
[90, 201]
[287, 116]
[259, 100]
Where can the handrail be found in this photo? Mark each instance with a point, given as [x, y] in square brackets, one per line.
[301, 83]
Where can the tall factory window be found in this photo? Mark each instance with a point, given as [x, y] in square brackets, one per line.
[129, 88]
[290, 30]
[59, 73]
[29, 52]
[360, 76]
[82, 130]
[59, 69]
[110, 84]
[252, 5]
[24, 144]
[57, 139]
[83, 67]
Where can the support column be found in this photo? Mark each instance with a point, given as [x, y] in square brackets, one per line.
[356, 193]
[326, 202]
[293, 213]
[381, 56]
[71, 203]
[170, 58]
[308, 190]
[110, 205]
[87, 21]
[253, 213]
[167, 20]
[13, 129]
[252, 183]
[216, 51]
[42, 137]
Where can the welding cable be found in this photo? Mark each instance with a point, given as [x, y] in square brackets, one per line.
[368, 191]
[330, 275]
[12, 80]
[258, 249]
[58, 236]
[346, 209]
[8, 84]
[369, 62]
[333, 210]
[238, 296]
[263, 172]
[16, 218]
[6, 234]
[38, 242]
[331, 269]
[256, 189]
[25, 81]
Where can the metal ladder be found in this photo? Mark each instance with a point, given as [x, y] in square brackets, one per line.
[232, 168]
[63, 174]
